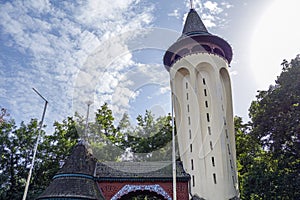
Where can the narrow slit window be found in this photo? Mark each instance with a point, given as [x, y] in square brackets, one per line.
[189, 120]
[205, 92]
[190, 133]
[225, 121]
[191, 147]
[192, 164]
[228, 149]
[215, 178]
[207, 116]
[188, 108]
[206, 104]
[226, 133]
[213, 161]
[211, 145]
[187, 96]
[186, 85]
[204, 82]
[209, 130]
[233, 180]
[231, 164]
[193, 179]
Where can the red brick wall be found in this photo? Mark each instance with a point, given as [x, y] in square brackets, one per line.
[109, 189]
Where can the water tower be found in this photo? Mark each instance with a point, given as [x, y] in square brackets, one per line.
[198, 64]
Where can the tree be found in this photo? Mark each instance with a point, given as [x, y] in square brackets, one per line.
[3, 115]
[149, 139]
[275, 124]
[16, 151]
[103, 137]
[146, 141]
[108, 142]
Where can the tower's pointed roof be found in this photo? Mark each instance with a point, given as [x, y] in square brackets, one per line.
[194, 39]
[193, 24]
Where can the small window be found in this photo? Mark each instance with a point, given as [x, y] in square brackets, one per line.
[225, 121]
[190, 133]
[188, 108]
[233, 180]
[177, 57]
[228, 149]
[211, 145]
[204, 83]
[226, 133]
[231, 164]
[213, 161]
[206, 104]
[191, 147]
[192, 164]
[215, 178]
[189, 120]
[206, 47]
[193, 179]
[207, 116]
[218, 51]
[209, 130]
[186, 85]
[187, 96]
[205, 92]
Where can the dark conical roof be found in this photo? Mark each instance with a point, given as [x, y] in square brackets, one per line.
[80, 161]
[194, 39]
[75, 180]
[193, 24]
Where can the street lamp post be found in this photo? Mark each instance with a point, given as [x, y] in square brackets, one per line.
[87, 121]
[36, 145]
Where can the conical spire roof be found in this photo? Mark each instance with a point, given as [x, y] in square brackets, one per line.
[75, 180]
[193, 24]
[196, 38]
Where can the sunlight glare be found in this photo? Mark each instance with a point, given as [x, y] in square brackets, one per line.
[276, 37]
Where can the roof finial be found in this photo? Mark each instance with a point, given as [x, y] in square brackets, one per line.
[191, 2]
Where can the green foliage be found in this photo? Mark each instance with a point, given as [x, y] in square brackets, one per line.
[267, 147]
[16, 152]
[268, 150]
[146, 141]
[108, 143]
[149, 139]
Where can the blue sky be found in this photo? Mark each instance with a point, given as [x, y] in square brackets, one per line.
[111, 51]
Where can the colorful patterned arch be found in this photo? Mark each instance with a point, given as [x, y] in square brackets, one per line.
[132, 188]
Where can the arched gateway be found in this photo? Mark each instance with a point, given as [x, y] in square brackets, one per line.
[83, 178]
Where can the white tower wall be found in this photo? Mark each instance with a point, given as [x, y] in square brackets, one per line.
[204, 120]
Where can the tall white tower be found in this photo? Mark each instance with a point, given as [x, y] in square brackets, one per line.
[198, 63]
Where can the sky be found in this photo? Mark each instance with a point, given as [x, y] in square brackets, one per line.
[77, 51]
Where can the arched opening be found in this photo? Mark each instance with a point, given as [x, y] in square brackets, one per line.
[197, 48]
[181, 53]
[181, 94]
[201, 48]
[207, 48]
[142, 195]
[141, 192]
[219, 52]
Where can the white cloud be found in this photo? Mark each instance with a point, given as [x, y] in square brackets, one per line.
[211, 12]
[227, 5]
[175, 13]
[213, 7]
[56, 41]
[209, 20]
